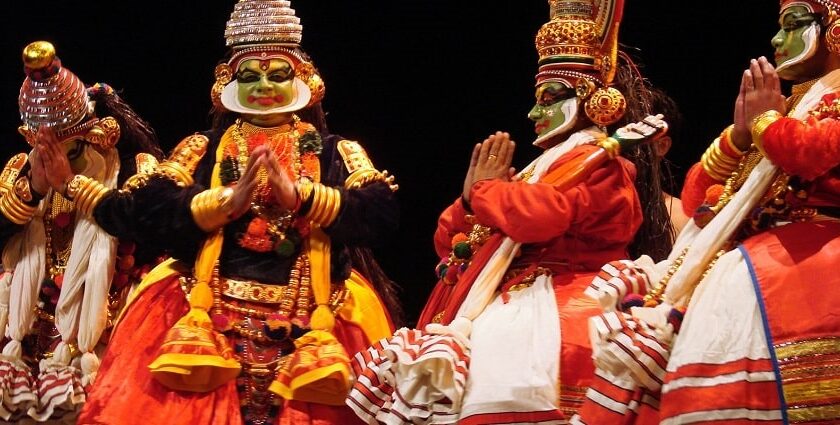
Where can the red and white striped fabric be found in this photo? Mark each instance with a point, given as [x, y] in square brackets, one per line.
[619, 401]
[430, 395]
[16, 389]
[631, 358]
[615, 281]
[60, 392]
[623, 345]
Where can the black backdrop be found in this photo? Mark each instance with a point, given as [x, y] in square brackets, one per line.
[417, 81]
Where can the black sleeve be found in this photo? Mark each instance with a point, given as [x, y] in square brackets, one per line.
[157, 215]
[368, 216]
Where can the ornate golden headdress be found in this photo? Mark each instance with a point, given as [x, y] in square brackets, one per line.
[579, 47]
[266, 29]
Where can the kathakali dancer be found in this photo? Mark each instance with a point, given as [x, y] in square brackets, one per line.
[503, 338]
[267, 217]
[65, 276]
[741, 323]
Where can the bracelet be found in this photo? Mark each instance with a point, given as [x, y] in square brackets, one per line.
[759, 126]
[86, 193]
[716, 163]
[326, 202]
[16, 210]
[212, 208]
[727, 146]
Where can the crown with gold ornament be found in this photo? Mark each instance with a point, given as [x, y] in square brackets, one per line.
[578, 47]
[264, 30]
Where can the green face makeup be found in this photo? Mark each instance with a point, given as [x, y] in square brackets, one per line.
[797, 40]
[548, 114]
[265, 84]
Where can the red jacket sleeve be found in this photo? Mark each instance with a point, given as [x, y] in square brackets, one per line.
[807, 149]
[450, 223]
[697, 181]
[539, 212]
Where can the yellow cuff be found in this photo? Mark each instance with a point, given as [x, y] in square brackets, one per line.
[211, 209]
[716, 163]
[759, 126]
[15, 210]
[86, 193]
[326, 202]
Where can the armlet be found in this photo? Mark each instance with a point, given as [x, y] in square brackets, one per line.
[147, 165]
[11, 172]
[361, 169]
[181, 165]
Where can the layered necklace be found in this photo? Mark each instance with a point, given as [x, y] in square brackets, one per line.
[296, 146]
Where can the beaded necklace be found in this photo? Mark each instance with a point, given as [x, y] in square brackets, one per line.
[295, 145]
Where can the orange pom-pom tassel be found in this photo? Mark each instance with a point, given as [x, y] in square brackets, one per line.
[458, 238]
[713, 194]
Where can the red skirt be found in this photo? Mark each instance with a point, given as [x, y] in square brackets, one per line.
[125, 392]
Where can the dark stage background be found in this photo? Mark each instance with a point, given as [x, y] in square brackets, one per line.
[418, 82]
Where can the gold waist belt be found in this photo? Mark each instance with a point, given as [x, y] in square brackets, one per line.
[249, 290]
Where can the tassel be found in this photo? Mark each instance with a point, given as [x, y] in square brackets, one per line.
[13, 349]
[322, 319]
[90, 366]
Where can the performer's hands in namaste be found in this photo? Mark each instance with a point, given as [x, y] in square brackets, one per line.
[241, 199]
[281, 185]
[760, 92]
[494, 158]
[50, 166]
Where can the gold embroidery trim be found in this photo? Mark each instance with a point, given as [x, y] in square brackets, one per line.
[808, 348]
[817, 413]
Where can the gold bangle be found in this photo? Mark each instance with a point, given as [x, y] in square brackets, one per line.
[327, 206]
[326, 202]
[726, 137]
[15, 210]
[88, 196]
[211, 208]
[759, 126]
[335, 207]
[718, 156]
[317, 210]
[716, 163]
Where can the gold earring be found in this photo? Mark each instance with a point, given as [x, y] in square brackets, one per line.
[306, 72]
[832, 37]
[605, 106]
[223, 74]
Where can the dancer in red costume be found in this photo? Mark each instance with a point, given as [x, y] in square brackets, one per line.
[741, 323]
[504, 337]
[268, 218]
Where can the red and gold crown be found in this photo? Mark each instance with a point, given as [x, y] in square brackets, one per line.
[580, 41]
[578, 47]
